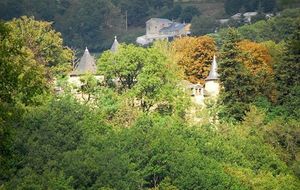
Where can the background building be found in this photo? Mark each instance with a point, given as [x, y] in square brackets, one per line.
[159, 29]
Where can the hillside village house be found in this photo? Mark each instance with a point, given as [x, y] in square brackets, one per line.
[159, 29]
[245, 17]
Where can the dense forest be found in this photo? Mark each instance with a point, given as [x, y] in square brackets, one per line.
[94, 23]
[247, 138]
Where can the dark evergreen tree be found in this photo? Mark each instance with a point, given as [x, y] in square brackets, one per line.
[157, 4]
[188, 13]
[174, 13]
[91, 23]
[203, 25]
[137, 11]
[287, 73]
[251, 5]
[268, 5]
[238, 84]
[232, 6]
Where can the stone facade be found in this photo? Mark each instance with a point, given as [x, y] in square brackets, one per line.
[212, 88]
[159, 29]
[154, 25]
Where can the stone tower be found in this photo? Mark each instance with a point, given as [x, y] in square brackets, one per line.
[115, 45]
[86, 65]
[212, 83]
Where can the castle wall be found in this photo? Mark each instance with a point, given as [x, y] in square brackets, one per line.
[212, 88]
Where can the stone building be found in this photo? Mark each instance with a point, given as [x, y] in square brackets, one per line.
[212, 84]
[154, 25]
[160, 29]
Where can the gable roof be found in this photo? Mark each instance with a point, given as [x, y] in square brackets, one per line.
[173, 27]
[85, 65]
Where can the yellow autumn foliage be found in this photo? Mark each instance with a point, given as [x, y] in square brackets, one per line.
[256, 57]
[258, 60]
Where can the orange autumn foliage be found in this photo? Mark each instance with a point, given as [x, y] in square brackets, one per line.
[194, 55]
[256, 57]
[258, 61]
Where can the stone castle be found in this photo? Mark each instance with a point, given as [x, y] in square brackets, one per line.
[198, 92]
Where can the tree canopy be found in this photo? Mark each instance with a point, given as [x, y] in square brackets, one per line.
[139, 128]
[194, 55]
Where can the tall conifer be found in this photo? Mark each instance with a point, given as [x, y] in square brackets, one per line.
[287, 74]
[238, 85]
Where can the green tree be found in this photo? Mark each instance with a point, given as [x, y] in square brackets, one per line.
[37, 55]
[123, 66]
[239, 87]
[232, 6]
[10, 9]
[272, 29]
[91, 23]
[145, 75]
[165, 157]
[47, 148]
[203, 25]
[31, 53]
[288, 3]
[89, 87]
[157, 4]
[8, 113]
[46, 45]
[174, 13]
[268, 5]
[287, 76]
[155, 84]
[22, 78]
[137, 11]
[188, 13]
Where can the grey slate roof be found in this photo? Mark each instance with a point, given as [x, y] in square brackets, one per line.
[115, 45]
[173, 27]
[213, 74]
[85, 65]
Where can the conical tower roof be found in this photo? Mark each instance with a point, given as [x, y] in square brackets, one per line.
[115, 45]
[213, 74]
[85, 65]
